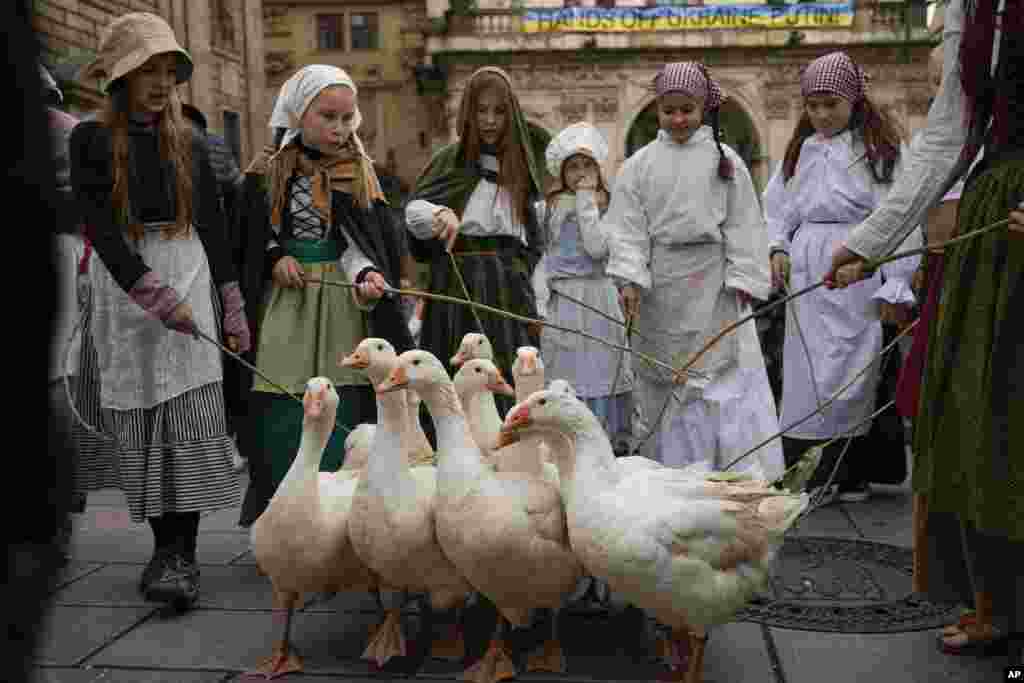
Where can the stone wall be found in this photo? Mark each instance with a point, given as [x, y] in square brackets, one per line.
[556, 90]
[225, 42]
[396, 120]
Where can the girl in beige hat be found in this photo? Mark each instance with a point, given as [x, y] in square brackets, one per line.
[148, 198]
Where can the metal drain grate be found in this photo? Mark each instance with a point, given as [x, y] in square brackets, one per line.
[845, 586]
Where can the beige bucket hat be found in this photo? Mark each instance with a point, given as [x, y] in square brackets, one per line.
[129, 41]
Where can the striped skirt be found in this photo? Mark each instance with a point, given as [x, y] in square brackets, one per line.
[173, 457]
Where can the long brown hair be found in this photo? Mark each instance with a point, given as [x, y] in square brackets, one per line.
[879, 131]
[175, 136]
[514, 172]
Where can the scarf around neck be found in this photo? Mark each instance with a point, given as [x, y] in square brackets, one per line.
[349, 173]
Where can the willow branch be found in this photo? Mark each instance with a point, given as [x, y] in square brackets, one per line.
[513, 316]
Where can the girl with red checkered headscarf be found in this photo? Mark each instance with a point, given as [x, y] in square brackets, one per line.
[689, 252]
[838, 166]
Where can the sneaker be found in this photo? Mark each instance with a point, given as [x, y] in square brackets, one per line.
[171, 579]
[855, 494]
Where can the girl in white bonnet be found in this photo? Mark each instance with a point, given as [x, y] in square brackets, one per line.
[573, 266]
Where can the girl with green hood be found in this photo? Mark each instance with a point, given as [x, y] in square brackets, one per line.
[475, 199]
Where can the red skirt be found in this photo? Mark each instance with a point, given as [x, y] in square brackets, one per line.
[908, 387]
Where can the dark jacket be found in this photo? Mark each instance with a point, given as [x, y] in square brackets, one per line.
[372, 229]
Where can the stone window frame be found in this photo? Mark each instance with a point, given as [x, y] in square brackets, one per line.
[234, 10]
[345, 42]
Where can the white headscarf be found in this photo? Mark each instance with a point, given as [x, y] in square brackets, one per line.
[298, 93]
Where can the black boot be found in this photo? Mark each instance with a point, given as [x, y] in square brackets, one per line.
[171, 579]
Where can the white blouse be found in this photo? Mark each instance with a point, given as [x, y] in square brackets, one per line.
[488, 212]
[833, 183]
[668, 195]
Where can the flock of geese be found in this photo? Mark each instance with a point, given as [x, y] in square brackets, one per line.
[516, 509]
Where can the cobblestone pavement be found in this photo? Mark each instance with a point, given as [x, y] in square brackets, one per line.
[101, 630]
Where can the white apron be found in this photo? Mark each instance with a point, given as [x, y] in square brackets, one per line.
[843, 334]
[142, 363]
[68, 251]
[731, 409]
[686, 306]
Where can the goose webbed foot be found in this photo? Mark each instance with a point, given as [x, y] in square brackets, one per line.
[387, 641]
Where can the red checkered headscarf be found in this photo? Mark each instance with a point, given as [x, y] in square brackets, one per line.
[691, 78]
[836, 74]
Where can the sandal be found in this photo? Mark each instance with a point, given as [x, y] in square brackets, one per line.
[986, 643]
[966, 620]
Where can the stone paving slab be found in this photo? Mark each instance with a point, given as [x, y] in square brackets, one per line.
[828, 520]
[73, 633]
[358, 601]
[235, 641]
[74, 571]
[855, 658]
[91, 544]
[126, 676]
[115, 585]
[885, 517]
[222, 520]
[220, 547]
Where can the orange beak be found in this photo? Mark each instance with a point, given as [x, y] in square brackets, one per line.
[313, 406]
[529, 364]
[500, 386]
[395, 381]
[517, 418]
[507, 438]
[358, 360]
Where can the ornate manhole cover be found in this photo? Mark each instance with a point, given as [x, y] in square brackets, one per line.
[845, 585]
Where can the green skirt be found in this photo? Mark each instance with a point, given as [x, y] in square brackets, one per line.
[969, 437]
[304, 333]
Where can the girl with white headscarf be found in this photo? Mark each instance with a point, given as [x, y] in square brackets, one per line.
[573, 266]
[313, 209]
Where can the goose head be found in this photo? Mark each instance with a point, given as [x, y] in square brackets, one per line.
[374, 355]
[561, 386]
[416, 369]
[479, 374]
[474, 345]
[549, 411]
[527, 362]
[357, 446]
[319, 405]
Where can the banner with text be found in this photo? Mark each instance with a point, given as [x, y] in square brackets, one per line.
[600, 19]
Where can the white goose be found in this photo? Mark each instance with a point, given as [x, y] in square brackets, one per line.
[301, 540]
[392, 520]
[685, 548]
[357, 447]
[476, 382]
[473, 345]
[505, 531]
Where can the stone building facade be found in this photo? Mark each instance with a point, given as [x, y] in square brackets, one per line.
[224, 37]
[379, 43]
[604, 76]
